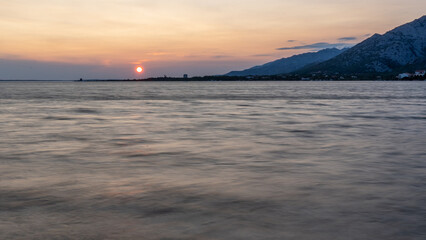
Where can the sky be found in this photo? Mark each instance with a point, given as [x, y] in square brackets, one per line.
[108, 39]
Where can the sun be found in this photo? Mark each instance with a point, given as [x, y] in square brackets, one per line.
[139, 69]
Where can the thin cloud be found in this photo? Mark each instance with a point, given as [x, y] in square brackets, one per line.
[220, 56]
[320, 45]
[263, 55]
[291, 41]
[345, 39]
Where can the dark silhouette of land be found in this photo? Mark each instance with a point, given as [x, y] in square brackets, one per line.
[288, 77]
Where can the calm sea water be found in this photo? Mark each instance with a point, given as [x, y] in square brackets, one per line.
[213, 160]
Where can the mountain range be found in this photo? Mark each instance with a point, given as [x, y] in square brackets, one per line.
[291, 64]
[401, 49]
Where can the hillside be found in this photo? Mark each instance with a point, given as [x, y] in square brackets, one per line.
[401, 49]
[290, 64]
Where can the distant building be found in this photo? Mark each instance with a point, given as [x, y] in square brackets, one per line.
[185, 76]
[420, 73]
[404, 75]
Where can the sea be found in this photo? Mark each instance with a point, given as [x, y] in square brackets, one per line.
[213, 160]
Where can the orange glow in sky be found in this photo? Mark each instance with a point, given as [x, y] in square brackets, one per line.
[185, 37]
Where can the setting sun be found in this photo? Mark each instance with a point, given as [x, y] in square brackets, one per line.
[139, 69]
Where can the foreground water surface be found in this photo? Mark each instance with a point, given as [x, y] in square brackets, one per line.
[213, 160]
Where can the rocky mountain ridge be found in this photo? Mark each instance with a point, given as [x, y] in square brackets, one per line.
[290, 64]
[401, 49]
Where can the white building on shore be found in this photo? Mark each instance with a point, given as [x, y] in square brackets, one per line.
[404, 75]
[420, 73]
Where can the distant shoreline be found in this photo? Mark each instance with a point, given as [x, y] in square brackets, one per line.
[251, 80]
[220, 80]
[264, 78]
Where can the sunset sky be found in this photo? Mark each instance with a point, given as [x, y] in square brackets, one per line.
[69, 39]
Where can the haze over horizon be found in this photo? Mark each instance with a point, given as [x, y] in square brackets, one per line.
[65, 40]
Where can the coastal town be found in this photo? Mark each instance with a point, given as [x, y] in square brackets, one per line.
[419, 74]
